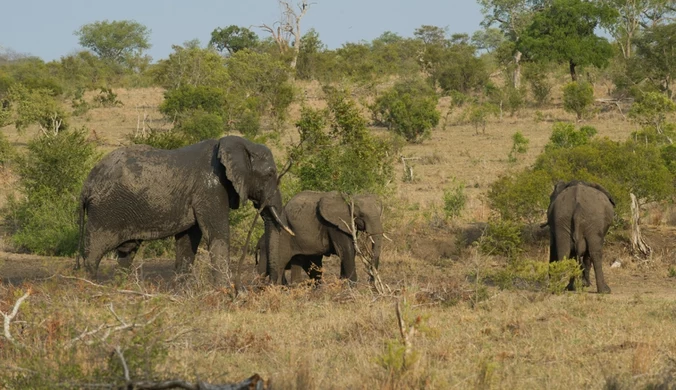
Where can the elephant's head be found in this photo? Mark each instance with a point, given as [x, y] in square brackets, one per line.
[251, 169]
[337, 210]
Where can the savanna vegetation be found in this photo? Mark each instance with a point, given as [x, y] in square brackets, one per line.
[462, 136]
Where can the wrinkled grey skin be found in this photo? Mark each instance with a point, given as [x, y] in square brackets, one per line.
[139, 193]
[317, 220]
[579, 216]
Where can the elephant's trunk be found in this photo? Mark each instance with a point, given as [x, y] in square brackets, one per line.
[375, 232]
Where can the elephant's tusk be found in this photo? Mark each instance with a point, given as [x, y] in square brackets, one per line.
[279, 221]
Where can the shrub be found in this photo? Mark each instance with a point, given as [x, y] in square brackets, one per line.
[537, 275]
[50, 177]
[167, 139]
[537, 78]
[515, 99]
[478, 114]
[521, 197]
[345, 158]
[651, 109]
[189, 98]
[565, 136]
[37, 106]
[454, 199]
[578, 97]
[502, 237]
[107, 98]
[200, 125]
[519, 146]
[408, 108]
[7, 151]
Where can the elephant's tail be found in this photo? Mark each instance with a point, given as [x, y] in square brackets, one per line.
[84, 199]
[577, 233]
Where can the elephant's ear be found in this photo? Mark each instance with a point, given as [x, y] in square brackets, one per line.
[236, 159]
[335, 210]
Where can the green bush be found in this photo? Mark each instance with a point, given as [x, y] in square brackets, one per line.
[522, 196]
[409, 109]
[565, 136]
[44, 219]
[537, 275]
[37, 106]
[107, 98]
[478, 114]
[537, 77]
[578, 98]
[344, 157]
[454, 199]
[519, 146]
[189, 98]
[651, 110]
[503, 238]
[167, 139]
[200, 125]
[7, 150]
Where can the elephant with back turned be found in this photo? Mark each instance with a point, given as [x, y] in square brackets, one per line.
[320, 222]
[579, 216]
[139, 193]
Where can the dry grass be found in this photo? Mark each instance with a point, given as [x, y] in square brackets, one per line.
[469, 335]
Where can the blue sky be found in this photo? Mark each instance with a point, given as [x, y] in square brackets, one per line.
[44, 28]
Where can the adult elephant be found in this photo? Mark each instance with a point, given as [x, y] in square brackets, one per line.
[320, 221]
[579, 216]
[139, 193]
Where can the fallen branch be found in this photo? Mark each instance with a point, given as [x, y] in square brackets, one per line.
[9, 317]
[110, 329]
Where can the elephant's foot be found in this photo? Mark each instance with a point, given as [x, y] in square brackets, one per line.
[604, 289]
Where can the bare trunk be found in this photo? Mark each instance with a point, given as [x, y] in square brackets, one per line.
[573, 75]
[638, 245]
[517, 69]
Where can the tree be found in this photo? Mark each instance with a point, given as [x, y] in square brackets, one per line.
[488, 39]
[656, 55]
[512, 17]
[564, 32]
[233, 39]
[120, 42]
[288, 26]
[634, 15]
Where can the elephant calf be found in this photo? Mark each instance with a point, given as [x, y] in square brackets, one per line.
[579, 216]
[320, 222]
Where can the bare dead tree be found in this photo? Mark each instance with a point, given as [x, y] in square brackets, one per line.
[288, 26]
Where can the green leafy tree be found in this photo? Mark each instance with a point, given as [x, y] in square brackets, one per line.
[565, 32]
[519, 146]
[633, 17]
[656, 56]
[458, 69]
[512, 18]
[310, 57]
[194, 66]
[233, 39]
[488, 39]
[37, 106]
[409, 109]
[120, 42]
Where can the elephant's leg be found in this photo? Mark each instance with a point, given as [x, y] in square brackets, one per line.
[126, 253]
[297, 271]
[216, 232]
[586, 269]
[187, 243]
[346, 251]
[95, 247]
[596, 258]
